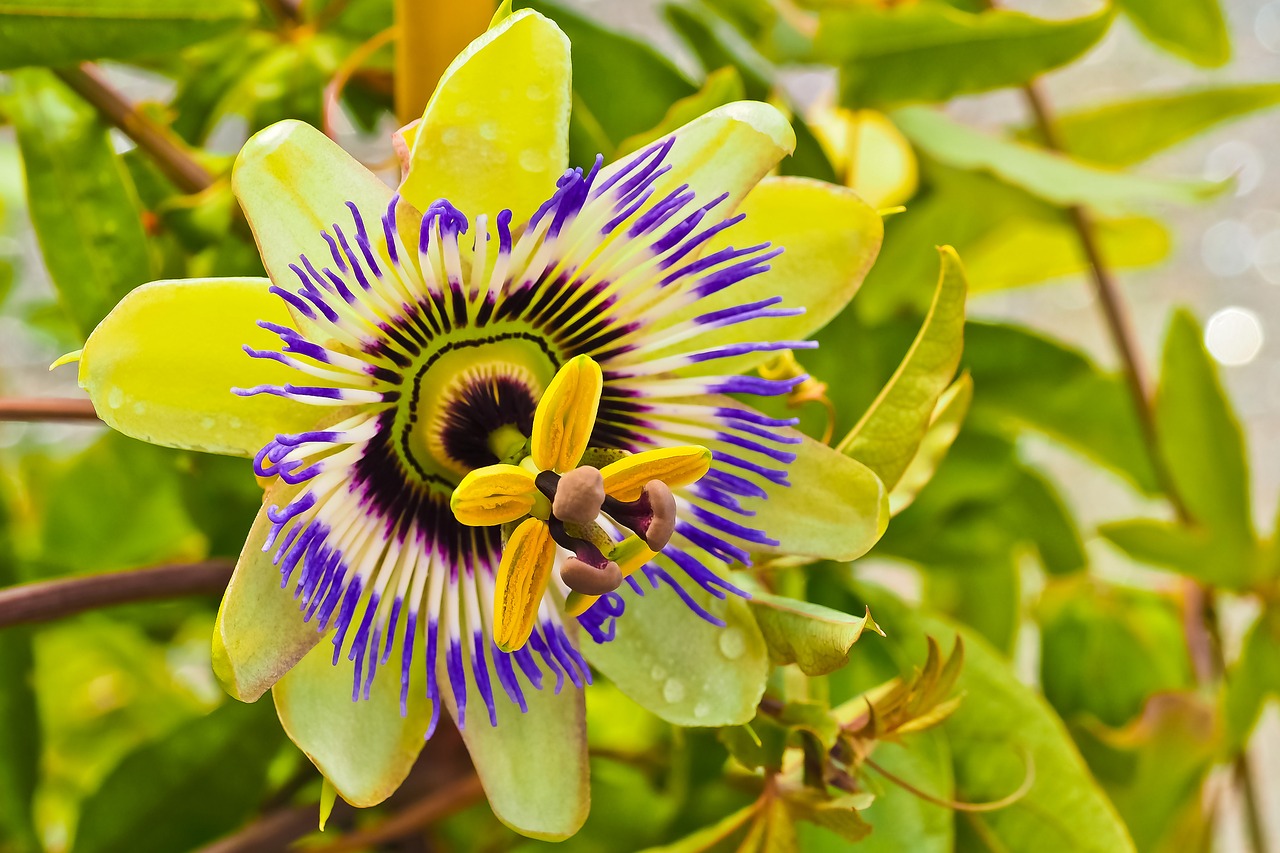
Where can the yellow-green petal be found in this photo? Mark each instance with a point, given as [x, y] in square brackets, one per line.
[495, 494]
[259, 634]
[527, 560]
[495, 134]
[533, 765]
[366, 748]
[626, 478]
[829, 237]
[566, 415]
[835, 507]
[292, 182]
[680, 666]
[160, 367]
[726, 151]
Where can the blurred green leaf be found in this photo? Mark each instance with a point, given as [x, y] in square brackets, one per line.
[757, 744]
[1201, 440]
[625, 84]
[721, 87]
[1175, 546]
[815, 638]
[1128, 132]
[1192, 29]
[20, 731]
[944, 426]
[1019, 252]
[1002, 731]
[1066, 397]
[1048, 175]
[984, 595]
[717, 44]
[116, 505]
[1253, 679]
[188, 788]
[839, 815]
[210, 72]
[929, 51]
[61, 32]
[888, 435]
[80, 198]
[1154, 770]
[1105, 650]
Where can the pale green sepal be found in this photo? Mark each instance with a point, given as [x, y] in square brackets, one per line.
[815, 638]
[533, 765]
[676, 664]
[160, 367]
[836, 508]
[829, 237]
[293, 182]
[890, 431]
[948, 417]
[328, 799]
[259, 634]
[69, 358]
[364, 748]
[495, 134]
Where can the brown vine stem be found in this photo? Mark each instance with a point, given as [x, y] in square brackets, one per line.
[1202, 627]
[43, 601]
[67, 409]
[157, 141]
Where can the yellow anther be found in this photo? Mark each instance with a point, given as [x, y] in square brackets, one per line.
[523, 574]
[675, 466]
[495, 494]
[566, 416]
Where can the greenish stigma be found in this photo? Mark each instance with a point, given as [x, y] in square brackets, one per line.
[508, 443]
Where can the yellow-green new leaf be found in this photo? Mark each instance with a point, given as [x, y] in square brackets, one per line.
[1193, 29]
[815, 638]
[948, 416]
[162, 364]
[259, 634]
[364, 748]
[889, 434]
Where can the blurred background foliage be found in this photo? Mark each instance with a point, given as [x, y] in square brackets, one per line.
[1097, 533]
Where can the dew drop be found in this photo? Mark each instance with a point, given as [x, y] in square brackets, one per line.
[732, 643]
[701, 710]
[532, 160]
[536, 93]
[139, 408]
[115, 398]
[658, 672]
[451, 136]
[235, 423]
[673, 690]
[489, 130]
[208, 423]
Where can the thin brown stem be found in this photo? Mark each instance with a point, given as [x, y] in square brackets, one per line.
[426, 811]
[64, 409]
[1200, 623]
[157, 141]
[284, 11]
[43, 601]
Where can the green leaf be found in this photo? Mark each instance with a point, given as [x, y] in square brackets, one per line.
[62, 32]
[1053, 177]
[1002, 731]
[20, 730]
[717, 43]
[1201, 440]
[815, 638]
[944, 426]
[1192, 29]
[708, 837]
[1106, 649]
[80, 198]
[1183, 549]
[681, 667]
[626, 84]
[721, 87]
[841, 816]
[889, 434]
[1252, 680]
[1066, 397]
[187, 788]
[928, 51]
[1019, 252]
[1154, 770]
[1128, 132]
[758, 744]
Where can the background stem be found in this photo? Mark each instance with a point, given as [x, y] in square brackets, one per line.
[47, 409]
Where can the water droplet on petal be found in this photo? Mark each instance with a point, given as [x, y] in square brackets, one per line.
[208, 423]
[235, 423]
[701, 710]
[658, 672]
[489, 130]
[115, 398]
[451, 136]
[536, 93]
[732, 643]
[139, 408]
[532, 160]
[673, 690]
